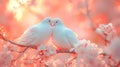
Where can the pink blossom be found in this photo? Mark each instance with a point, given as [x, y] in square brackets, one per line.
[5, 58]
[106, 31]
[114, 49]
[88, 54]
[46, 50]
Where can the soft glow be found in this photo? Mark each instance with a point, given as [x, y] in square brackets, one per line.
[17, 7]
[18, 15]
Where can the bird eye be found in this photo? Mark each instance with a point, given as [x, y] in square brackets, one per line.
[49, 20]
[56, 22]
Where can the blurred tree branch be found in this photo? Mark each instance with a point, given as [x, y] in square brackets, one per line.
[88, 14]
[7, 40]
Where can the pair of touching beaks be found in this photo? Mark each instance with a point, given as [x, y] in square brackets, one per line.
[53, 22]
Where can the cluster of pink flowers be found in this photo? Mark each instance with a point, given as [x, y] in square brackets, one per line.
[46, 50]
[5, 57]
[113, 49]
[88, 54]
[106, 31]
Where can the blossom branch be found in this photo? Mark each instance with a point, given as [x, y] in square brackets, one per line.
[7, 40]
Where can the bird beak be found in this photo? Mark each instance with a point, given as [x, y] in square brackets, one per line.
[52, 24]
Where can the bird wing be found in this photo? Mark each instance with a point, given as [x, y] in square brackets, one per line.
[29, 36]
[72, 39]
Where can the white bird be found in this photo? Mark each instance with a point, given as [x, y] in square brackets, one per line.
[63, 37]
[36, 34]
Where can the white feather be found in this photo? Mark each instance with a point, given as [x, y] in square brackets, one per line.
[63, 37]
[36, 34]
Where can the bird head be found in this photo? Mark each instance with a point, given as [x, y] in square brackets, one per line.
[57, 22]
[47, 20]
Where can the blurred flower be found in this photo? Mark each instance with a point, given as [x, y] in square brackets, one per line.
[46, 50]
[106, 31]
[88, 52]
[5, 57]
[84, 44]
[114, 48]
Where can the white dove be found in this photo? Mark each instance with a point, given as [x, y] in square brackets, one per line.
[63, 37]
[36, 34]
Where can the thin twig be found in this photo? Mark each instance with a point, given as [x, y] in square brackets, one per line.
[14, 60]
[7, 40]
[22, 53]
[65, 51]
[68, 63]
[88, 14]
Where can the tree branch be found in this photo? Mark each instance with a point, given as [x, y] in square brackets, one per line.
[7, 40]
[88, 14]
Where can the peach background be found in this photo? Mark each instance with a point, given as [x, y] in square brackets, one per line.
[17, 15]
